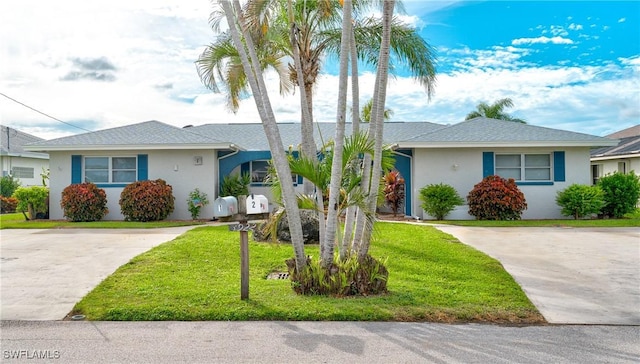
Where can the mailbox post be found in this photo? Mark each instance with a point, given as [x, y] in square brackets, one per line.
[247, 209]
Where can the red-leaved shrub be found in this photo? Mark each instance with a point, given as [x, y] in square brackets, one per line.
[8, 205]
[496, 198]
[147, 201]
[84, 202]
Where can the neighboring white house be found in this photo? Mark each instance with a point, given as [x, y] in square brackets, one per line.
[542, 160]
[623, 157]
[23, 165]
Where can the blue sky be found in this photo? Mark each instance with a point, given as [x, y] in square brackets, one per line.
[570, 65]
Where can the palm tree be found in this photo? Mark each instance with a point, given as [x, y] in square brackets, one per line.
[251, 66]
[365, 114]
[377, 124]
[317, 27]
[494, 111]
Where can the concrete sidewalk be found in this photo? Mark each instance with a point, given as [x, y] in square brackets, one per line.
[44, 273]
[572, 275]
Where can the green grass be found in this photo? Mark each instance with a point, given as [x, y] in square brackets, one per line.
[433, 277]
[17, 221]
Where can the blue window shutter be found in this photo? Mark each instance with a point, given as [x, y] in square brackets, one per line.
[76, 169]
[143, 167]
[558, 167]
[487, 164]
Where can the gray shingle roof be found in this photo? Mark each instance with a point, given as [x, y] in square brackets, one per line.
[627, 146]
[252, 137]
[479, 131]
[145, 134]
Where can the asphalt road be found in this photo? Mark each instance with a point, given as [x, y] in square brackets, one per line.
[313, 342]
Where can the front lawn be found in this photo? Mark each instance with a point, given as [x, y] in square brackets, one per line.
[433, 277]
[17, 221]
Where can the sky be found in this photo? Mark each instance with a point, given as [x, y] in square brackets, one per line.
[72, 66]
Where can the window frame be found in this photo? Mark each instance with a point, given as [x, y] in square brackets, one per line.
[294, 177]
[523, 168]
[110, 169]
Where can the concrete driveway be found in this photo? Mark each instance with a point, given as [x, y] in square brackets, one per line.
[44, 273]
[572, 275]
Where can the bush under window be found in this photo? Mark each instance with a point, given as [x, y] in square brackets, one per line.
[147, 201]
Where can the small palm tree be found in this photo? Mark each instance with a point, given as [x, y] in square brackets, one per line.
[365, 114]
[494, 111]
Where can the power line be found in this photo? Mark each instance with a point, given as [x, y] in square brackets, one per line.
[40, 112]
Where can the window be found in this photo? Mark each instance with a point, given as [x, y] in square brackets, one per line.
[524, 167]
[596, 173]
[259, 170]
[110, 169]
[22, 172]
[622, 167]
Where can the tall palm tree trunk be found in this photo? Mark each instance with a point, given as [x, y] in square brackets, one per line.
[254, 74]
[351, 213]
[380, 94]
[306, 118]
[338, 149]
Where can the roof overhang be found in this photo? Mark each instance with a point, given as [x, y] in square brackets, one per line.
[634, 154]
[106, 147]
[34, 155]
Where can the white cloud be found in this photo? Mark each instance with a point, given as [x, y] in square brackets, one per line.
[543, 40]
[622, 20]
[574, 26]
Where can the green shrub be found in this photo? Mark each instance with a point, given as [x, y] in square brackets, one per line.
[8, 205]
[235, 185]
[84, 202]
[621, 193]
[393, 191]
[147, 201]
[196, 201]
[439, 200]
[353, 276]
[580, 200]
[33, 199]
[8, 185]
[496, 198]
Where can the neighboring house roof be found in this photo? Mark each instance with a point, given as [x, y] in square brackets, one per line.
[480, 132]
[473, 133]
[629, 145]
[13, 142]
[633, 131]
[146, 135]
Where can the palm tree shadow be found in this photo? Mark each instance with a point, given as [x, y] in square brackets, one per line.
[306, 341]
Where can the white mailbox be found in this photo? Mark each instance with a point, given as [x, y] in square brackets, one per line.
[257, 204]
[225, 206]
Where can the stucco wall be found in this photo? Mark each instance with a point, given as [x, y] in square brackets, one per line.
[462, 169]
[162, 164]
